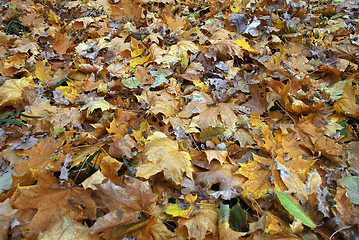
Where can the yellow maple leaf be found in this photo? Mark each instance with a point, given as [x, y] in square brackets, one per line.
[43, 70]
[245, 45]
[163, 155]
[160, 102]
[184, 208]
[262, 177]
[178, 53]
[71, 91]
[220, 155]
[11, 90]
[202, 223]
[99, 104]
[347, 104]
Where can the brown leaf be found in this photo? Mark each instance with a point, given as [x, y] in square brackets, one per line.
[123, 147]
[125, 203]
[229, 183]
[52, 201]
[66, 228]
[7, 214]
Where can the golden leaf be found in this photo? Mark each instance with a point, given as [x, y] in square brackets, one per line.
[11, 90]
[202, 223]
[163, 155]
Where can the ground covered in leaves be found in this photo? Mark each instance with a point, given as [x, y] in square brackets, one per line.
[179, 119]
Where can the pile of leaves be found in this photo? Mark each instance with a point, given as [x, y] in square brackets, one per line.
[179, 119]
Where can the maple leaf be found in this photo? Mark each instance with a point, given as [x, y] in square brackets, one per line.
[178, 53]
[314, 139]
[204, 222]
[52, 201]
[208, 115]
[155, 229]
[122, 147]
[160, 102]
[66, 228]
[224, 231]
[292, 181]
[224, 46]
[184, 209]
[262, 177]
[11, 91]
[125, 203]
[347, 104]
[45, 154]
[164, 155]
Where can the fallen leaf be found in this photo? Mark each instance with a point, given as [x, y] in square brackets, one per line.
[125, 203]
[203, 223]
[11, 91]
[123, 147]
[293, 208]
[164, 155]
[7, 214]
[66, 228]
[52, 201]
[262, 177]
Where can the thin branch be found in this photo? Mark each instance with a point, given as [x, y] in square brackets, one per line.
[269, 20]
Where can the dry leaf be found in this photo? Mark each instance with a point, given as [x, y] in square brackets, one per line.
[164, 155]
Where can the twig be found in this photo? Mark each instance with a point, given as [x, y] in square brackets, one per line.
[265, 30]
[343, 228]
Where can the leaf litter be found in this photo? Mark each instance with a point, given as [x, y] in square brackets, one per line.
[190, 119]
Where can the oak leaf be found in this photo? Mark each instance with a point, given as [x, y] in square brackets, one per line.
[164, 155]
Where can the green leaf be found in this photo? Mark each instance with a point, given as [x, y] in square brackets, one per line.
[223, 213]
[238, 217]
[351, 184]
[210, 132]
[295, 210]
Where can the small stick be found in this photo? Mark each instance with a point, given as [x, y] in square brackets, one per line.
[269, 20]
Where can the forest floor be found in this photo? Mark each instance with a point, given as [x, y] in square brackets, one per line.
[179, 119]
